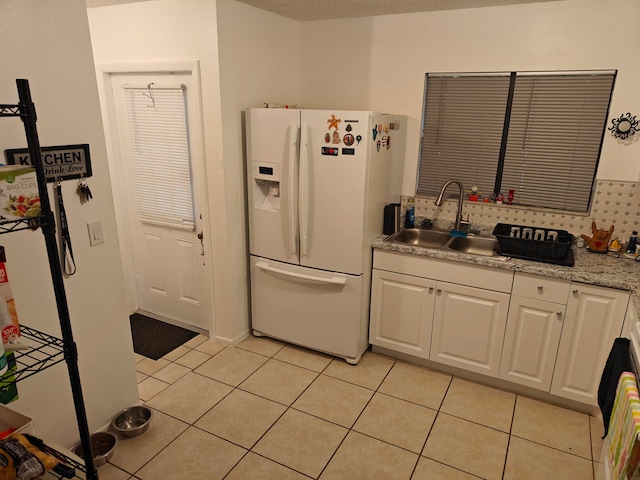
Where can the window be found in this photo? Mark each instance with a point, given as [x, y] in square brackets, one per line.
[538, 134]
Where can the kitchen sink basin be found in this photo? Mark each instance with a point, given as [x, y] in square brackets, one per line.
[421, 238]
[475, 245]
[485, 246]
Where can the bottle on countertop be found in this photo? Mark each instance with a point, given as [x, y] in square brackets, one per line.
[410, 217]
[633, 240]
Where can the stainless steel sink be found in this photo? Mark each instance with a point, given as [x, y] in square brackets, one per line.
[475, 245]
[421, 238]
[485, 246]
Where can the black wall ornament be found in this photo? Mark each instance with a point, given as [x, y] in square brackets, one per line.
[624, 127]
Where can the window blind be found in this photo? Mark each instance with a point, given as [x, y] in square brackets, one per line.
[159, 139]
[555, 135]
[539, 134]
[462, 131]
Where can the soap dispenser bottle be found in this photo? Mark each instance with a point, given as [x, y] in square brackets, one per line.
[410, 216]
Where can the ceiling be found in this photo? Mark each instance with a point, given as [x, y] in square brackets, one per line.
[305, 10]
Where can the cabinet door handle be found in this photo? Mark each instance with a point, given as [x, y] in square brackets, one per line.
[540, 288]
[575, 291]
[439, 290]
[430, 289]
[559, 314]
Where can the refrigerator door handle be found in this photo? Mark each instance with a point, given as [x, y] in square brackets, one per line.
[304, 190]
[301, 276]
[289, 220]
[291, 225]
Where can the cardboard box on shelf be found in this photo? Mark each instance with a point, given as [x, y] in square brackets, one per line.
[10, 419]
[9, 324]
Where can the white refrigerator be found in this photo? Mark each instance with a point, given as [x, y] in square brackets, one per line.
[317, 183]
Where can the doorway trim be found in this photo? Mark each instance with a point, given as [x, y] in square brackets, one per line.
[107, 103]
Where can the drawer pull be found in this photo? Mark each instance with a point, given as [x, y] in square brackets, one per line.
[439, 290]
[430, 289]
[540, 288]
[575, 291]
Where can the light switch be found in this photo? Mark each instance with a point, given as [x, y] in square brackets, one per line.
[96, 236]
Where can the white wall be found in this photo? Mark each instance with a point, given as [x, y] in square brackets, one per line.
[259, 62]
[258, 57]
[379, 63]
[48, 44]
[177, 30]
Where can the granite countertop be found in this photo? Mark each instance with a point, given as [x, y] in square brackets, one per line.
[603, 270]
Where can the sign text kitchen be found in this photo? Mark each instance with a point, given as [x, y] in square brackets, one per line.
[60, 163]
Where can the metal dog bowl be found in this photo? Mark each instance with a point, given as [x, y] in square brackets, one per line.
[103, 444]
[133, 421]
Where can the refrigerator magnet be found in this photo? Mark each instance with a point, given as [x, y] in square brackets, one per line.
[348, 139]
[333, 122]
[378, 145]
[349, 127]
[327, 138]
[336, 137]
[375, 132]
[358, 139]
[386, 128]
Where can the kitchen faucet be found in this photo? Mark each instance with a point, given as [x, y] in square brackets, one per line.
[438, 201]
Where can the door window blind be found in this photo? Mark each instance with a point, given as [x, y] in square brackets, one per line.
[159, 139]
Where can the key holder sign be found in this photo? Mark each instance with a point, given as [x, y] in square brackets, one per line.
[64, 162]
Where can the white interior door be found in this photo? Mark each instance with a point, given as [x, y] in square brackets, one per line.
[169, 256]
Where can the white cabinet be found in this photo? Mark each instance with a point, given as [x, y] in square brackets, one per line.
[593, 320]
[531, 342]
[402, 312]
[545, 333]
[468, 328]
[534, 326]
[468, 322]
[630, 320]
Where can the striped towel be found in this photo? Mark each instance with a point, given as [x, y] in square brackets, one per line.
[624, 429]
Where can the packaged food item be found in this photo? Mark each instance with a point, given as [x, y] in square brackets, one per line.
[21, 460]
[8, 385]
[9, 324]
[3, 360]
[19, 196]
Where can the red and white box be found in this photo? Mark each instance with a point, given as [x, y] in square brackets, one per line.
[9, 324]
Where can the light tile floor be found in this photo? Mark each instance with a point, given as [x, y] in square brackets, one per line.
[269, 410]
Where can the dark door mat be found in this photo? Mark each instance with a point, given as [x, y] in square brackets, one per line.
[154, 339]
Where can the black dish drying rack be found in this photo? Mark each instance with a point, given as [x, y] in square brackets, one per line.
[535, 243]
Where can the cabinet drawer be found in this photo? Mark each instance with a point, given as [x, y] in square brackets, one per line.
[480, 276]
[549, 289]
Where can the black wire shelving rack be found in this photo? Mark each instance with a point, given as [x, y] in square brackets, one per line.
[44, 350]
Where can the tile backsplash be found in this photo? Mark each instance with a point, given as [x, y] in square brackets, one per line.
[614, 202]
